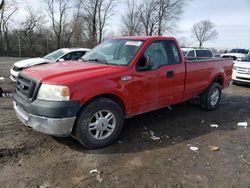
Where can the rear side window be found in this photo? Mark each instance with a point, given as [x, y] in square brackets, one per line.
[209, 53]
[190, 53]
[201, 53]
[77, 55]
[175, 53]
[73, 56]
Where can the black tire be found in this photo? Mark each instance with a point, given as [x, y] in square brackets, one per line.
[1, 92]
[82, 131]
[206, 98]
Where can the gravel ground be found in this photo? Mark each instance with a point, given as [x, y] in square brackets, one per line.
[32, 159]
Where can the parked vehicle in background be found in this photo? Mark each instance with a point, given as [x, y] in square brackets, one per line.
[197, 52]
[241, 70]
[235, 54]
[63, 54]
[120, 78]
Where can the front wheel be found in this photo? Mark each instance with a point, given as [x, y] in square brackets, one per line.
[211, 97]
[99, 123]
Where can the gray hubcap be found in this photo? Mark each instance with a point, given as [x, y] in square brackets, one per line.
[215, 97]
[102, 124]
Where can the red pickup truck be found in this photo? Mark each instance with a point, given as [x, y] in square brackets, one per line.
[120, 78]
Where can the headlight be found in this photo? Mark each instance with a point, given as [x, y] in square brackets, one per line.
[53, 93]
[235, 67]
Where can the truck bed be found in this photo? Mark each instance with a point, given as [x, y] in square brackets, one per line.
[200, 72]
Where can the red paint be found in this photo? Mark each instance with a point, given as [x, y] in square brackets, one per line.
[146, 91]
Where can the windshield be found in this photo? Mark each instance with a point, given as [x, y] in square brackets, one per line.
[54, 55]
[114, 52]
[246, 58]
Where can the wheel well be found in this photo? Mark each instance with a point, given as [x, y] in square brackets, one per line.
[109, 96]
[219, 79]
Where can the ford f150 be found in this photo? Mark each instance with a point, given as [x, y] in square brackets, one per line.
[118, 79]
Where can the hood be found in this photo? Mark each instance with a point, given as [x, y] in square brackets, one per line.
[70, 71]
[243, 64]
[31, 62]
[238, 55]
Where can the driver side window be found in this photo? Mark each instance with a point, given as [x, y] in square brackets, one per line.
[157, 54]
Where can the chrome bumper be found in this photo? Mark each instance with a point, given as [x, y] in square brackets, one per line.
[60, 127]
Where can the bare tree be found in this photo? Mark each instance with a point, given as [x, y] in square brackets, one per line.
[6, 13]
[105, 12]
[149, 17]
[96, 14]
[131, 20]
[59, 13]
[28, 28]
[169, 11]
[90, 16]
[71, 26]
[204, 31]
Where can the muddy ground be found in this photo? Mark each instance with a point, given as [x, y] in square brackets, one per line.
[32, 159]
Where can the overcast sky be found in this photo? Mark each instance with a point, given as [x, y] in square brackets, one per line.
[231, 17]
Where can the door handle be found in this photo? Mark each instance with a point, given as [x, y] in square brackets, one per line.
[170, 74]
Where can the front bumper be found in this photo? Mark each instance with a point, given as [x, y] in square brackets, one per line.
[241, 78]
[13, 75]
[61, 127]
[51, 117]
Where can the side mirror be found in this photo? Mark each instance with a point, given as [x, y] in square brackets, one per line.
[144, 64]
[61, 60]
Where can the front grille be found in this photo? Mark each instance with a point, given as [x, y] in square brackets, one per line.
[25, 87]
[15, 68]
[242, 70]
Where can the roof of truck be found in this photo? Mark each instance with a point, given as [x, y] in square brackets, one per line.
[144, 37]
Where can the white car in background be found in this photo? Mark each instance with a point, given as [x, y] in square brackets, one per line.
[197, 53]
[235, 54]
[241, 70]
[63, 54]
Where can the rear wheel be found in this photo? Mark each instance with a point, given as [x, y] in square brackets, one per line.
[99, 123]
[211, 97]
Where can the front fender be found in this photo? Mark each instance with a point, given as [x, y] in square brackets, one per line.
[91, 89]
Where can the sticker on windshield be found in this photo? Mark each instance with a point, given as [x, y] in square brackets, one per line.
[133, 43]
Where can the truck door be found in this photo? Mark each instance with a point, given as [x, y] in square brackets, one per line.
[158, 81]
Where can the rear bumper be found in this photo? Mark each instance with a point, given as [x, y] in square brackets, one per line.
[61, 127]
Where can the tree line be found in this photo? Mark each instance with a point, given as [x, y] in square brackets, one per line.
[81, 23]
